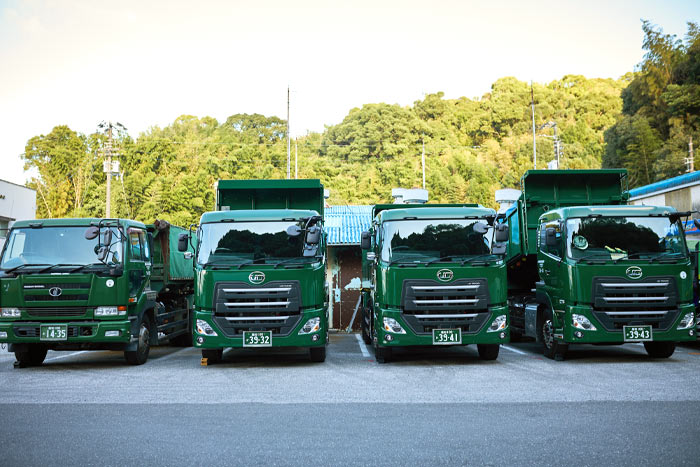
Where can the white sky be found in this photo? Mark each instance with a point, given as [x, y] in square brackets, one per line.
[144, 63]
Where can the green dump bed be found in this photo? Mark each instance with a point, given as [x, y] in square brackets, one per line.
[170, 267]
[544, 190]
[269, 194]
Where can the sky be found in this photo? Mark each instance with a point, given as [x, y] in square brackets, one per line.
[144, 63]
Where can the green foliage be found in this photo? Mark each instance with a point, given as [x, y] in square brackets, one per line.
[661, 109]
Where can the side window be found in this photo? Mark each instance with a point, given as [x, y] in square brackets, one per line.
[135, 237]
[146, 244]
[554, 250]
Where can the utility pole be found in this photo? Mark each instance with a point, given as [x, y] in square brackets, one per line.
[108, 166]
[423, 161]
[534, 141]
[288, 140]
[690, 162]
[296, 160]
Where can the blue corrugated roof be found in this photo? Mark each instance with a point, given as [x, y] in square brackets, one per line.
[692, 177]
[345, 224]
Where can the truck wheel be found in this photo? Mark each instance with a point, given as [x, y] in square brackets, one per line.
[317, 354]
[488, 351]
[382, 354]
[660, 349]
[365, 331]
[552, 349]
[213, 355]
[33, 356]
[143, 347]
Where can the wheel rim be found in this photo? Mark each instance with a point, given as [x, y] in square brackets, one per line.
[548, 334]
[143, 339]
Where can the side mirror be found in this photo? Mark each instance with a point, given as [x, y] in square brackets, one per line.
[313, 235]
[92, 232]
[480, 228]
[696, 223]
[310, 250]
[366, 240]
[183, 241]
[107, 237]
[551, 236]
[501, 234]
[293, 230]
[102, 253]
[371, 256]
[499, 249]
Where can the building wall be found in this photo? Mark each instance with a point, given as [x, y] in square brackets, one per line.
[683, 199]
[17, 202]
[344, 281]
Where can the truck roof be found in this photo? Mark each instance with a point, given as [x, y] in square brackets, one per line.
[609, 210]
[252, 215]
[74, 222]
[434, 211]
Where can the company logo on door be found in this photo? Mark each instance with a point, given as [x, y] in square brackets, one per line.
[445, 275]
[634, 272]
[256, 277]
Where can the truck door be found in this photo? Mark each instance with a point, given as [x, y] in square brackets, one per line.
[139, 266]
[550, 265]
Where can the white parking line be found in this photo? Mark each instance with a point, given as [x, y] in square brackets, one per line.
[363, 347]
[513, 350]
[66, 356]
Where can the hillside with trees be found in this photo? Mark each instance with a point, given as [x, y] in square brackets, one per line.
[473, 146]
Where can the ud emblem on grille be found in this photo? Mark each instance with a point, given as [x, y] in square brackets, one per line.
[256, 277]
[55, 291]
[634, 272]
[445, 275]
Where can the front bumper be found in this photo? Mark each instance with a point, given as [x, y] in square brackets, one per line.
[27, 332]
[293, 339]
[565, 332]
[411, 338]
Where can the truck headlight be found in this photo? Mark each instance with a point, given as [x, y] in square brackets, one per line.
[581, 322]
[688, 321]
[391, 325]
[312, 325]
[11, 313]
[498, 324]
[110, 311]
[205, 329]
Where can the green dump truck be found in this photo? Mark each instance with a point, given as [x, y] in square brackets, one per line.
[434, 274]
[261, 268]
[93, 284]
[586, 268]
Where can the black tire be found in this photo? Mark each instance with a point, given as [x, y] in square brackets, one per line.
[382, 354]
[366, 336]
[550, 347]
[488, 351]
[317, 354]
[213, 355]
[143, 346]
[33, 356]
[660, 349]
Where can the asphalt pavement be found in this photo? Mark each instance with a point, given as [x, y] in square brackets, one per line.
[609, 405]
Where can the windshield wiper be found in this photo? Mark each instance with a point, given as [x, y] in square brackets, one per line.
[79, 266]
[661, 255]
[443, 259]
[592, 256]
[405, 261]
[8, 271]
[472, 258]
[303, 259]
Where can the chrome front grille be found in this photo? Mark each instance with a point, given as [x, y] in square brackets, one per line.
[428, 304]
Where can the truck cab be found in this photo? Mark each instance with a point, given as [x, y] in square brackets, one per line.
[434, 275]
[260, 269]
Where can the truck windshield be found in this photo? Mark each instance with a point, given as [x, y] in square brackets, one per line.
[47, 246]
[617, 238]
[433, 239]
[244, 242]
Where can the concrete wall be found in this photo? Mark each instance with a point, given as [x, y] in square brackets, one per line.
[17, 202]
[683, 199]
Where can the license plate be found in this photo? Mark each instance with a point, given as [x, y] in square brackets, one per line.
[447, 336]
[637, 333]
[257, 338]
[53, 332]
